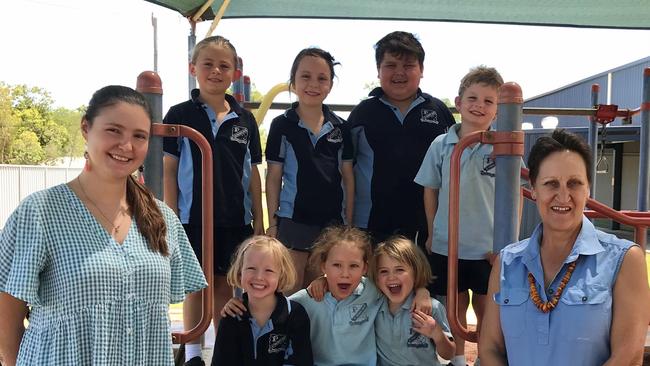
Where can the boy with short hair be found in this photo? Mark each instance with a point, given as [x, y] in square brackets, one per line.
[477, 104]
[391, 132]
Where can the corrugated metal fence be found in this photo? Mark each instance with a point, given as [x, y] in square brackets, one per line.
[19, 181]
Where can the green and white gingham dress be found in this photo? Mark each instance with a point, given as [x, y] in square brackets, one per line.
[94, 301]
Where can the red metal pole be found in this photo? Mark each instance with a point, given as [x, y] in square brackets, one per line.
[207, 234]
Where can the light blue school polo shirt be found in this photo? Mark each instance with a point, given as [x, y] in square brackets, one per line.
[577, 331]
[343, 332]
[398, 344]
[476, 195]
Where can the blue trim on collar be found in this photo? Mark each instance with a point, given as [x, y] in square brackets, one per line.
[234, 105]
[292, 115]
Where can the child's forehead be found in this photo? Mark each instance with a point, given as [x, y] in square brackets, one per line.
[259, 252]
[345, 250]
[214, 50]
[484, 88]
[385, 259]
[399, 56]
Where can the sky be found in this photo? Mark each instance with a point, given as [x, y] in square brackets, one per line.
[74, 47]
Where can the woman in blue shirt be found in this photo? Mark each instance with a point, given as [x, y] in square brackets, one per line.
[570, 294]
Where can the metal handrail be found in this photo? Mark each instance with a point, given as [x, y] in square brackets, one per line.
[207, 234]
[505, 143]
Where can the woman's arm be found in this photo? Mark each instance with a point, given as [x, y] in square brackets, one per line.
[255, 189]
[631, 311]
[170, 182]
[492, 347]
[273, 185]
[11, 327]
[347, 173]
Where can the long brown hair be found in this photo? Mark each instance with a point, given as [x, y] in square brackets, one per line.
[144, 207]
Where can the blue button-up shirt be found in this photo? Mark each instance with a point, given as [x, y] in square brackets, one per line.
[577, 331]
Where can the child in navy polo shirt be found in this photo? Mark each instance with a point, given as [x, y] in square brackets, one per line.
[309, 155]
[477, 105]
[391, 132]
[234, 138]
[274, 331]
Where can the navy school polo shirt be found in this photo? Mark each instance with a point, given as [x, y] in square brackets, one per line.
[312, 192]
[235, 147]
[389, 148]
[283, 340]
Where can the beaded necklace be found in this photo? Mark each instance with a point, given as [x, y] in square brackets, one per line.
[545, 307]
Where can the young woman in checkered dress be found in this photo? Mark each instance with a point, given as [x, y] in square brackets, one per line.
[98, 260]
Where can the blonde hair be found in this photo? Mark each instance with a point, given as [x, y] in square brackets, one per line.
[405, 251]
[287, 276]
[336, 235]
[218, 41]
[480, 75]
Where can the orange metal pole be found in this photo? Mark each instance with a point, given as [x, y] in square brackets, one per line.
[505, 143]
[207, 234]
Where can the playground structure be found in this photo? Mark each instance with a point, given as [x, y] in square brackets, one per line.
[508, 140]
[508, 143]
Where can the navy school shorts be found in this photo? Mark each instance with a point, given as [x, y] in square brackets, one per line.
[226, 241]
[297, 236]
[472, 275]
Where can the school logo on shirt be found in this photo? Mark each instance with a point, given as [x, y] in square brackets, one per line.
[429, 116]
[335, 136]
[488, 166]
[239, 134]
[278, 343]
[358, 314]
[417, 340]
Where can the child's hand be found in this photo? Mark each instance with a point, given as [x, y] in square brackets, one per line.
[423, 323]
[234, 307]
[272, 231]
[422, 301]
[317, 288]
[427, 244]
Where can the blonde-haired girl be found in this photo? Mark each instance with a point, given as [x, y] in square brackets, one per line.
[274, 330]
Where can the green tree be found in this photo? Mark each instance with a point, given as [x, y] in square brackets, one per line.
[26, 149]
[70, 120]
[31, 131]
[8, 124]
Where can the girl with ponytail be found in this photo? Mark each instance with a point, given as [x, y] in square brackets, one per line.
[97, 260]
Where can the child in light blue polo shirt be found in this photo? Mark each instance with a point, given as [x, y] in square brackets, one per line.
[342, 323]
[405, 337]
[477, 104]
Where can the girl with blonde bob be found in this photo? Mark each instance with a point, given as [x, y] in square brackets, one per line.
[274, 330]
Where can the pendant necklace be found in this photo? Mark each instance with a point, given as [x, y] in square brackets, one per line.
[116, 228]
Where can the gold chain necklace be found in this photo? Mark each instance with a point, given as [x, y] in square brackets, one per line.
[116, 228]
[545, 307]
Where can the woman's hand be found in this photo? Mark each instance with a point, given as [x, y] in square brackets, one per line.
[317, 288]
[234, 308]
